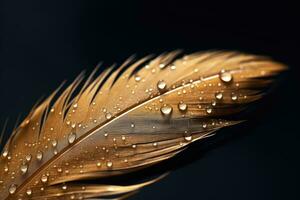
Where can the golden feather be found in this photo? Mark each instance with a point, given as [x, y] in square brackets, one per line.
[127, 119]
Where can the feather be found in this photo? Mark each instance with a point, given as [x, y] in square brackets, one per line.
[126, 119]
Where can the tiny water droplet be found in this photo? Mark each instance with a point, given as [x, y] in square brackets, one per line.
[29, 192]
[71, 137]
[161, 85]
[98, 164]
[24, 168]
[208, 110]
[44, 178]
[219, 95]
[234, 97]
[188, 138]
[109, 164]
[123, 138]
[155, 144]
[28, 157]
[137, 78]
[108, 116]
[213, 103]
[166, 110]
[182, 106]
[225, 76]
[54, 143]
[5, 153]
[12, 189]
[132, 125]
[39, 155]
[64, 187]
[133, 146]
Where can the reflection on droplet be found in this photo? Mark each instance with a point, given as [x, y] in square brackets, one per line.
[64, 187]
[12, 189]
[161, 85]
[166, 110]
[225, 76]
[219, 95]
[28, 157]
[71, 137]
[213, 103]
[182, 106]
[98, 164]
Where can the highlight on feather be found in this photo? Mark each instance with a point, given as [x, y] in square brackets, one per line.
[142, 113]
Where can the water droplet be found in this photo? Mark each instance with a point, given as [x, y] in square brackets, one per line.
[24, 168]
[234, 97]
[108, 116]
[6, 168]
[208, 110]
[133, 146]
[98, 164]
[162, 65]
[137, 78]
[132, 125]
[123, 138]
[225, 76]
[5, 153]
[109, 164]
[54, 143]
[155, 144]
[28, 157]
[166, 110]
[173, 67]
[28, 191]
[12, 189]
[188, 138]
[71, 137]
[219, 95]
[161, 85]
[182, 106]
[213, 103]
[75, 105]
[64, 187]
[44, 178]
[39, 155]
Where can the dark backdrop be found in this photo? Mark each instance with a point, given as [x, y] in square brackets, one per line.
[43, 43]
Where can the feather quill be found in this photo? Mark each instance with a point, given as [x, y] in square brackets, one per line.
[142, 113]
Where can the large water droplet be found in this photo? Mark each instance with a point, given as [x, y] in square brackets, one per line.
[12, 189]
[219, 95]
[225, 76]
[166, 110]
[161, 85]
[182, 106]
[71, 137]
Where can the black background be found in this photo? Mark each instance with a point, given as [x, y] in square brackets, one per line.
[43, 43]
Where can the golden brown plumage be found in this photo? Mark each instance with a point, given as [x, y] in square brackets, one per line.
[127, 119]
